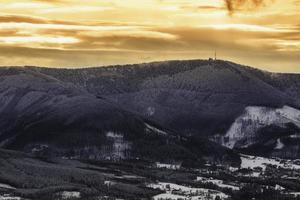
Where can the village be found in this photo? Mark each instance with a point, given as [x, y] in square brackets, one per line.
[257, 176]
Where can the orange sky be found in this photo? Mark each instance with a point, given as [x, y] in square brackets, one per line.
[76, 33]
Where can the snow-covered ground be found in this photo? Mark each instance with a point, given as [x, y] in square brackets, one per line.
[254, 161]
[168, 196]
[279, 144]
[246, 126]
[219, 183]
[70, 194]
[111, 134]
[295, 194]
[278, 187]
[8, 197]
[295, 136]
[168, 166]
[176, 192]
[6, 186]
[154, 129]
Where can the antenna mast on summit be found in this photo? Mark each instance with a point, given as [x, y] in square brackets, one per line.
[215, 54]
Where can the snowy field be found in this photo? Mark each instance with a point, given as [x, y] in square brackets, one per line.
[8, 197]
[174, 192]
[252, 162]
[70, 195]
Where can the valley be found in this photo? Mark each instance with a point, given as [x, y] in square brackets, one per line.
[26, 177]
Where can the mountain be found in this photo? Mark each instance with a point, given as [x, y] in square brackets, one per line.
[46, 116]
[202, 98]
[265, 131]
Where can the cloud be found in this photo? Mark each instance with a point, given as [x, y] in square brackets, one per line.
[142, 42]
[245, 27]
[234, 5]
[77, 33]
[22, 18]
[203, 7]
[32, 20]
[37, 39]
[75, 9]
[51, 1]
[23, 56]
[25, 5]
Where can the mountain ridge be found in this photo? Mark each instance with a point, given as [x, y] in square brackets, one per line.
[47, 117]
[195, 98]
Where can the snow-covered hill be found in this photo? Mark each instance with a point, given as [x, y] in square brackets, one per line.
[254, 129]
[243, 132]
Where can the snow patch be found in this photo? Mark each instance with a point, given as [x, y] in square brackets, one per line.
[254, 162]
[295, 136]
[168, 166]
[109, 183]
[154, 129]
[6, 186]
[278, 187]
[70, 194]
[8, 197]
[295, 194]
[279, 144]
[168, 196]
[175, 191]
[111, 134]
[242, 132]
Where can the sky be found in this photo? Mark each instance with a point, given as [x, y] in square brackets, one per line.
[77, 33]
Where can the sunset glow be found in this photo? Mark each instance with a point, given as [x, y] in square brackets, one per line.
[74, 33]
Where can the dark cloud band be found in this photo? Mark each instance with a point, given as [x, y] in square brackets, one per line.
[234, 5]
